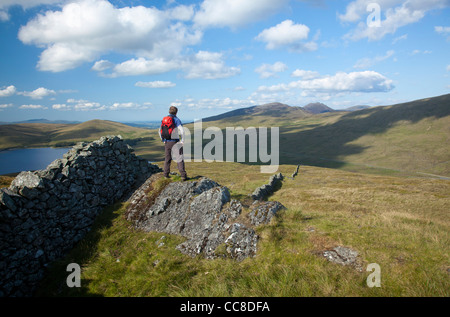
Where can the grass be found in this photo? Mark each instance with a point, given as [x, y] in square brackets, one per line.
[401, 223]
[61, 135]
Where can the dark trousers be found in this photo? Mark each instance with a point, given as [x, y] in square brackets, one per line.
[179, 159]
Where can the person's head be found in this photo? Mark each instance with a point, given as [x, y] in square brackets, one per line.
[173, 110]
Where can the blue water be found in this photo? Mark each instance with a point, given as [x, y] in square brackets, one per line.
[13, 161]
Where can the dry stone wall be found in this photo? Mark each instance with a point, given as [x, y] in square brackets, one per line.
[44, 213]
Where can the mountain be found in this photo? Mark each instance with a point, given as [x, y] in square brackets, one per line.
[50, 134]
[42, 121]
[408, 137]
[270, 113]
[317, 107]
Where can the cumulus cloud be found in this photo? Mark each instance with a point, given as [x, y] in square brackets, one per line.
[268, 70]
[33, 107]
[60, 107]
[84, 30]
[235, 13]
[127, 106]
[305, 74]
[155, 84]
[289, 35]
[208, 65]
[86, 105]
[443, 30]
[341, 82]
[397, 13]
[8, 91]
[4, 106]
[38, 93]
[140, 66]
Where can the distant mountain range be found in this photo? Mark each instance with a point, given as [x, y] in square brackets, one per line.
[410, 136]
[42, 121]
[280, 110]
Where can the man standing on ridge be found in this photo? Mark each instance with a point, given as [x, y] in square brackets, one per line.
[172, 134]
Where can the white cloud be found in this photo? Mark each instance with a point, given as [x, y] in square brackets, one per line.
[33, 107]
[368, 62]
[102, 65]
[289, 35]
[8, 91]
[235, 13]
[142, 66]
[4, 106]
[267, 70]
[305, 74]
[155, 84]
[341, 82]
[416, 52]
[84, 30]
[39, 93]
[127, 106]
[397, 13]
[208, 65]
[60, 107]
[4, 16]
[448, 68]
[444, 30]
[86, 105]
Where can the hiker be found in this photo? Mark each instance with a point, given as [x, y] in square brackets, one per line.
[172, 134]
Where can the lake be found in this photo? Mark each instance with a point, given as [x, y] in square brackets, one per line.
[18, 160]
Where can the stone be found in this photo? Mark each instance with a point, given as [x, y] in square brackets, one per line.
[265, 190]
[44, 213]
[201, 211]
[343, 256]
[262, 213]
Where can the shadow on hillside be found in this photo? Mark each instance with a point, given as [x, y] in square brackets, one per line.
[323, 145]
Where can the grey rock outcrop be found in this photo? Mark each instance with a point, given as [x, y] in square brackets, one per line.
[295, 172]
[44, 213]
[202, 212]
[343, 256]
[267, 189]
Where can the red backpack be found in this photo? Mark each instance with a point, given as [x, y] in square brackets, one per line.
[167, 126]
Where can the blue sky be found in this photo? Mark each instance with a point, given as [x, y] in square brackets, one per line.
[130, 60]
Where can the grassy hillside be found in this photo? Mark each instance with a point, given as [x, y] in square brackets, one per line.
[402, 224]
[409, 137]
[43, 135]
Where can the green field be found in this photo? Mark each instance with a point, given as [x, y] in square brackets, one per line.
[404, 138]
[400, 223]
[364, 183]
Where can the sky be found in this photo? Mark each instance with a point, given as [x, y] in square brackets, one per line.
[127, 61]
